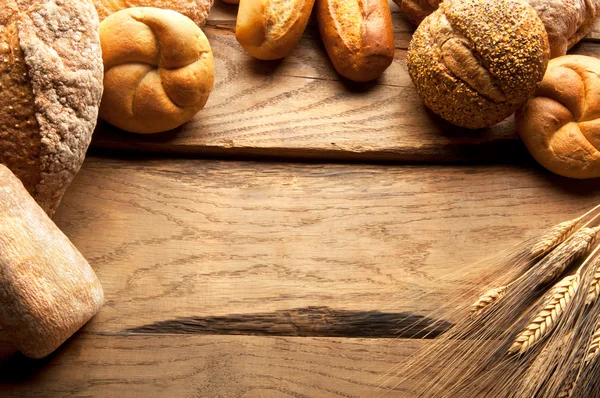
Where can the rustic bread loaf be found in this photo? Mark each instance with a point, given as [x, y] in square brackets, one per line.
[270, 29]
[159, 69]
[566, 21]
[358, 36]
[561, 125]
[47, 289]
[196, 10]
[50, 85]
[476, 74]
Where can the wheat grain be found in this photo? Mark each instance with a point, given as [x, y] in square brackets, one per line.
[559, 298]
[558, 234]
[487, 299]
[570, 382]
[554, 264]
[594, 290]
[594, 347]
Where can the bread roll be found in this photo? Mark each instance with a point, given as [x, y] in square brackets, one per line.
[476, 74]
[159, 69]
[47, 289]
[196, 10]
[270, 29]
[566, 21]
[561, 125]
[358, 36]
[50, 86]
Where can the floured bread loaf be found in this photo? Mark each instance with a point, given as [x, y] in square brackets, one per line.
[50, 85]
[196, 10]
[566, 21]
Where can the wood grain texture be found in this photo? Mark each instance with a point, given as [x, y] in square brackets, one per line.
[186, 248]
[300, 108]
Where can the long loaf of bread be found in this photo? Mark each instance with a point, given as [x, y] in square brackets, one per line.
[270, 29]
[358, 36]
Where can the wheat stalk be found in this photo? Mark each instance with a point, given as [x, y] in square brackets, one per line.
[559, 298]
[558, 234]
[554, 264]
[487, 299]
[594, 290]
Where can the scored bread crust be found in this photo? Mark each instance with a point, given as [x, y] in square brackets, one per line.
[196, 10]
[561, 125]
[60, 46]
[476, 75]
[358, 36]
[270, 29]
[567, 21]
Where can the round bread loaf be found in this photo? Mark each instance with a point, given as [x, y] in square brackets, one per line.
[476, 74]
[159, 69]
[566, 21]
[196, 10]
[50, 85]
[561, 125]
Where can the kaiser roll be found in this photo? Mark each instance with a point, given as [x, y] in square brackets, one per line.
[196, 10]
[566, 21]
[561, 125]
[476, 74]
[159, 69]
[50, 85]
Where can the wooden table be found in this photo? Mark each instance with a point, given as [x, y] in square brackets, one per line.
[279, 244]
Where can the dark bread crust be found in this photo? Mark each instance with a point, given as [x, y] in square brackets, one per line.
[359, 39]
[476, 75]
[60, 46]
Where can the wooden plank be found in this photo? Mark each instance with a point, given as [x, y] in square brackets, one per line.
[209, 366]
[190, 239]
[300, 108]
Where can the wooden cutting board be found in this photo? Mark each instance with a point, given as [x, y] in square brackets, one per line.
[300, 108]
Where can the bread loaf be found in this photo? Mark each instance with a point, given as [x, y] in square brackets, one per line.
[270, 29]
[47, 289]
[50, 86]
[196, 10]
[159, 69]
[561, 125]
[476, 74]
[358, 36]
[566, 21]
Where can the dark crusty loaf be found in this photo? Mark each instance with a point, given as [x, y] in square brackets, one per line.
[51, 84]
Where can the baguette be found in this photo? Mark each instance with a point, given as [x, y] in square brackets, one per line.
[270, 29]
[358, 36]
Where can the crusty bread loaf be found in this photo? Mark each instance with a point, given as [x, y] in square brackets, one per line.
[358, 36]
[566, 21]
[561, 125]
[51, 84]
[159, 69]
[270, 29]
[476, 74]
[196, 10]
[47, 289]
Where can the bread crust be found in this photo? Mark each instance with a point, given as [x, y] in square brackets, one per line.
[159, 69]
[60, 47]
[47, 289]
[567, 21]
[358, 36]
[561, 125]
[196, 10]
[270, 29]
[476, 75]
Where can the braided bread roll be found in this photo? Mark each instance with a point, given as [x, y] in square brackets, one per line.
[159, 69]
[561, 125]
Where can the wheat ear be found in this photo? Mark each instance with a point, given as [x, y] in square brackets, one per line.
[487, 299]
[568, 387]
[594, 290]
[594, 346]
[558, 234]
[554, 264]
[558, 300]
